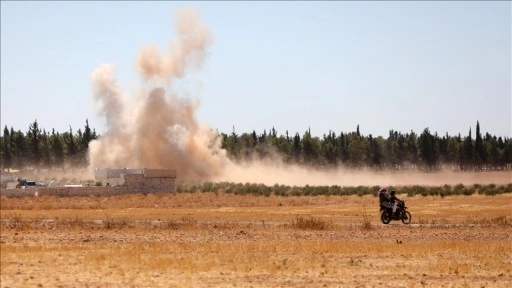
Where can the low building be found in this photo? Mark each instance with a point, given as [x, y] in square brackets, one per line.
[143, 180]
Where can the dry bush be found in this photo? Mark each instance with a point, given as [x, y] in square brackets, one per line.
[120, 223]
[166, 225]
[225, 225]
[497, 221]
[77, 223]
[14, 221]
[186, 223]
[367, 225]
[311, 223]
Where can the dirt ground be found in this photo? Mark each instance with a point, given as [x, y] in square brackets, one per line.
[224, 240]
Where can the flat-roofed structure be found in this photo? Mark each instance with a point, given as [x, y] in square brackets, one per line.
[143, 179]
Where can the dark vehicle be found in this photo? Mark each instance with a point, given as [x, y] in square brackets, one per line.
[386, 214]
[23, 184]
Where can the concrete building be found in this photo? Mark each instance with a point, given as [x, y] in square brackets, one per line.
[143, 180]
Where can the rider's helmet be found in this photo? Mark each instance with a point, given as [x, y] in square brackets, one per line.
[393, 193]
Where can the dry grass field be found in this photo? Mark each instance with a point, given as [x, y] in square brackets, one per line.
[226, 240]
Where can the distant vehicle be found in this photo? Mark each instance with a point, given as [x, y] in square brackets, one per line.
[23, 184]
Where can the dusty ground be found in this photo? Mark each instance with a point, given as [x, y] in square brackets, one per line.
[221, 240]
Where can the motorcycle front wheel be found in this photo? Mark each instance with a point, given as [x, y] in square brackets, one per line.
[385, 217]
[406, 217]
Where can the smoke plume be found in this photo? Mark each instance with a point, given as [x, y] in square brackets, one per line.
[189, 49]
[158, 129]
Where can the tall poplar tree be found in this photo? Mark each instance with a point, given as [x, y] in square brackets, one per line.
[34, 139]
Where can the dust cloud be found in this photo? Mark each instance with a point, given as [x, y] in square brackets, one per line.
[158, 129]
[274, 171]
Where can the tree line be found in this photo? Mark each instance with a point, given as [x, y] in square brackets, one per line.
[427, 151]
[38, 148]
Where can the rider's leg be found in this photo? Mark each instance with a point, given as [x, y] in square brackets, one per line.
[394, 207]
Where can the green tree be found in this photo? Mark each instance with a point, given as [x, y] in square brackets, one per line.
[443, 147]
[283, 146]
[411, 149]
[342, 148]
[376, 156]
[245, 144]
[87, 137]
[311, 147]
[480, 151]
[6, 150]
[453, 149]
[71, 147]
[429, 152]
[34, 139]
[467, 152]
[358, 149]
[45, 149]
[394, 153]
[297, 147]
[491, 147]
[57, 149]
[328, 148]
[19, 149]
[82, 147]
[254, 141]
[507, 154]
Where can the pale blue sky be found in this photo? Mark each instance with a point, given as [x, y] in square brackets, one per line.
[292, 65]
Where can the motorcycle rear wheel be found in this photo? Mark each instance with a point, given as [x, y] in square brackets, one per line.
[406, 217]
[385, 217]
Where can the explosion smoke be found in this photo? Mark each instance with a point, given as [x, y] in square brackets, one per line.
[159, 130]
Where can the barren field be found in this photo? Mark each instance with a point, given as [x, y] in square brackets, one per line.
[225, 240]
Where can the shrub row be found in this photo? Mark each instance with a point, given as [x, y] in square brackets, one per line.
[335, 190]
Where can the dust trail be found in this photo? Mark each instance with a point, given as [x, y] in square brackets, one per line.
[270, 172]
[158, 129]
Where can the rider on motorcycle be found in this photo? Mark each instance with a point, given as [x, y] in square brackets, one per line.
[388, 200]
[395, 201]
[384, 197]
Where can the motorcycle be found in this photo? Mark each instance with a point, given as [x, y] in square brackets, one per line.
[386, 214]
